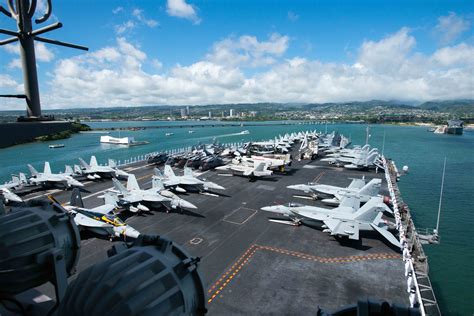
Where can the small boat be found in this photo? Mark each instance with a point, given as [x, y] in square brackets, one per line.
[190, 132]
[246, 132]
[169, 134]
[56, 146]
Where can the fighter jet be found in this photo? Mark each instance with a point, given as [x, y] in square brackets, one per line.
[187, 182]
[93, 171]
[357, 187]
[100, 220]
[48, 178]
[341, 223]
[356, 160]
[258, 170]
[275, 162]
[158, 186]
[5, 190]
[135, 197]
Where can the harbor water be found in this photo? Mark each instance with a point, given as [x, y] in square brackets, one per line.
[451, 262]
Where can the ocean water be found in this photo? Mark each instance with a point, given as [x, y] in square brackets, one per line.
[451, 262]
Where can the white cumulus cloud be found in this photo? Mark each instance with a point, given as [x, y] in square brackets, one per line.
[138, 14]
[248, 50]
[450, 27]
[181, 9]
[388, 68]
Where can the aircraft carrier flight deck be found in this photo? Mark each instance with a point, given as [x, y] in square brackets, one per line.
[253, 266]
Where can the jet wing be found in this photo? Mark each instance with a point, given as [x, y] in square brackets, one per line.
[188, 181]
[103, 209]
[385, 233]
[339, 227]
[248, 172]
[326, 189]
[171, 182]
[85, 221]
[132, 198]
[356, 184]
[349, 201]
[311, 215]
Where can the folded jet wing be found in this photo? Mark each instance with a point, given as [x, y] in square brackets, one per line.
[343, 228]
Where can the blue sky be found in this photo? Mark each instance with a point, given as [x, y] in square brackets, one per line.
[199, 52]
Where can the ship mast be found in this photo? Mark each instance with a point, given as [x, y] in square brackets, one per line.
[23, 11]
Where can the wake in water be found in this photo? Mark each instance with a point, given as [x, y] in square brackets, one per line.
[233, 134]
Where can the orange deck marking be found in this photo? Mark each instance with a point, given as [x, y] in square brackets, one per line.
[244, 259]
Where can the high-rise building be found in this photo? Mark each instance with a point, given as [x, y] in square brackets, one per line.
[231, 113]
[183, 113]
[187, 110]
[210, 114]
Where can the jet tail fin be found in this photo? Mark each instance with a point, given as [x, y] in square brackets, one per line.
[188, 172]
[169, 173]
[23, 179]
[111, 198]
[119, 186]
[157, 184]
[372, 188]
[132, 183]
[77, 169]
[158, 173]
[33, 171]
[16, 180]
[112, 163]
[76, 198]
[47, 168]
[68, 170]
[93, 162]
[368, 211]
[84, 164]
[261, 167]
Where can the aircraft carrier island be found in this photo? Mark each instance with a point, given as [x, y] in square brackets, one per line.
[257, 262]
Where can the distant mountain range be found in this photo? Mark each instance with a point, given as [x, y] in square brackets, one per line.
[466, 106]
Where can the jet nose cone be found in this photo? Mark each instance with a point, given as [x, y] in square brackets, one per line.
[272, 208]
[131, 232]
[186, 204]
[296, 187]
[214, 186]
[16, 199]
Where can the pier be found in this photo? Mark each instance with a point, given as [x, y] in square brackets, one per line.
[416, 262]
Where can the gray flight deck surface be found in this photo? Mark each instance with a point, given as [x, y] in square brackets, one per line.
[253, 266]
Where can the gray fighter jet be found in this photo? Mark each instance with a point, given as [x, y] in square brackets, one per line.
[187, 182]
[5, 190]
[357, 160]
[48, 178]
[135, 197]
[100, 220]
[357, 187]
[341, 223]
[259, 169]
[94, 171]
